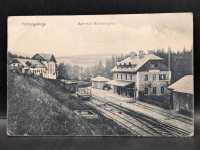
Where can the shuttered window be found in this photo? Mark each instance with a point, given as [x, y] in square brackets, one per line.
[154, 90]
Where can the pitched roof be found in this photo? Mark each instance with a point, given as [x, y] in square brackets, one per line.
[120, 83]
[100, 79]
[136, 62]
[184, 85]
[33, 63]
[45, 56]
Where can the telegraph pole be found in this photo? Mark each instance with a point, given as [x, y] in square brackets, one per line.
[170, 76]
[169, 64]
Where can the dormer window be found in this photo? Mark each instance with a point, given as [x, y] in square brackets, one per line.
[152, 65]
[129, 65]
[28, 63]
[134, 65]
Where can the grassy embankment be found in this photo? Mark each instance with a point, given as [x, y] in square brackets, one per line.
[38, 106]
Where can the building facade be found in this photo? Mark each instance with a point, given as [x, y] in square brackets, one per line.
[140, 75]
[43, 65]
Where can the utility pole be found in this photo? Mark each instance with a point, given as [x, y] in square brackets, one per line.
[169, 65]
[170, 76]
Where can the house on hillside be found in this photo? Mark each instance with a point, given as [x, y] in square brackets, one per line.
[182, 94]
[99, 82]
[40, 64]
[140, 75]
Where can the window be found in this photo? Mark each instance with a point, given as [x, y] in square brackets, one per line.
[154, 90]
[146, 77]
[50, 68]
[162, 90]
[152, 65]
[131, 77]
[162, 77]
[117, 75]
[145, 91]
[126, 76]
[134, 65]
[154, 77]
[121, 76]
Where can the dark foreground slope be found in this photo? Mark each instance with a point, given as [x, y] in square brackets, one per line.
[38, 106]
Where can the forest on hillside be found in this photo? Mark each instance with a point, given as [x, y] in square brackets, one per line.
[181, 64]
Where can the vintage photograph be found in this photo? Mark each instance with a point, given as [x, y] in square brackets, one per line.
[100, 75]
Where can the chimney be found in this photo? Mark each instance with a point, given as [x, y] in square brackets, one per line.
[169, 63]
[133, 55]
[150, 52]
[169, 59]
[141, 54]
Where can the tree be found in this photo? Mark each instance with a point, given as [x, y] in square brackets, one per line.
[86, 74]
[62, 71]
[75, 72]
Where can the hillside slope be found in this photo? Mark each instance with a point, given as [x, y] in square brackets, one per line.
[38, 106]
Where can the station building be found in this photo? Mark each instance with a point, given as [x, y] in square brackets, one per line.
[141, 75]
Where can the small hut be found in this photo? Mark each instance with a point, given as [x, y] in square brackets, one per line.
[182, 95]
[99, 82]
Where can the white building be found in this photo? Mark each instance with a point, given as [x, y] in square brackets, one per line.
[40, 64]
[145, 74]
[99, 82]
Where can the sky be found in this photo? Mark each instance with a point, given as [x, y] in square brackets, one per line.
[99, 34]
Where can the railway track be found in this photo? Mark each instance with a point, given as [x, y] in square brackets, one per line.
[156, 125]
[180, 118]
[164, 113]
[115, 115]
[145, 125]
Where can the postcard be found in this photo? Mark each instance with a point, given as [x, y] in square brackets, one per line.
[100, 75]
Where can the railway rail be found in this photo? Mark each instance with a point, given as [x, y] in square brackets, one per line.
[164, 113]
[135, 129]
[137, 123]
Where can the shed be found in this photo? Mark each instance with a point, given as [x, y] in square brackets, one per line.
[71, 86]
[182, 94]
[99, 82]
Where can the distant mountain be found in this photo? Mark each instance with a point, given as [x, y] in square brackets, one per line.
[83, 60]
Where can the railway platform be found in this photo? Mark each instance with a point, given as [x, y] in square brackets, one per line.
[164, 116]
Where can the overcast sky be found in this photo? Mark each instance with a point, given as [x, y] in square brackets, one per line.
[99, 34]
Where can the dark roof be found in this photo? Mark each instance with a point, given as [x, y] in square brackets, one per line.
[25, 62]
[137, 62]
[84, 84]
[45, 56]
